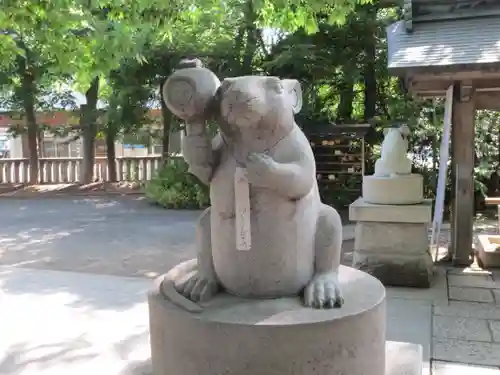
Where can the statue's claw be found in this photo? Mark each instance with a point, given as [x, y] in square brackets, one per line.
[199, 288]
[324, 292]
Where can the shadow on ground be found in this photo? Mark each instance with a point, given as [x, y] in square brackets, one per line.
[122, 236]
[55, 322]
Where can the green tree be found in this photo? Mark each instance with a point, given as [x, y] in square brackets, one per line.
[81, 41]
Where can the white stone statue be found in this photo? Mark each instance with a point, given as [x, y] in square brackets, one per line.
[394, 160]
[266, 234]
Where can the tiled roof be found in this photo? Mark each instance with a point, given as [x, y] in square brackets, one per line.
[444, 43]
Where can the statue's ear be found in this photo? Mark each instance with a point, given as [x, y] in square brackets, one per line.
[188, 92]
[294, 92]
[404, 129]
[386, 130]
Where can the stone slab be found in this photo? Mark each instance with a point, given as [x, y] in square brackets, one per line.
[471, 294]
[468, 310]
[410, 321]
[403, 358]
[472, 281]
[451, 368]
[448, 327]
[473, 352]
[360, 210]
[488, 250]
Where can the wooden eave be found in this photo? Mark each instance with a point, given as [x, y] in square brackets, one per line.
[454, 71]
[486, 85]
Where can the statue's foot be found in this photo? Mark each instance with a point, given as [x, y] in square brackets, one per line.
[324, 292]
[199, 288]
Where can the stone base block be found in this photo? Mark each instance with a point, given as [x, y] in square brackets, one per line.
[399, 270]
[488, 250]
[395, 253]
[361, 210]
[236, 336]
[402, 189]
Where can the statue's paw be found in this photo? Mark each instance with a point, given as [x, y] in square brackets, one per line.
[199, 288]
[324, 292]
[197, 149]
[259, 167]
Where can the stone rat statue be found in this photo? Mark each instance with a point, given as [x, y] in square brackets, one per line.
[295, 239]
[393, 159]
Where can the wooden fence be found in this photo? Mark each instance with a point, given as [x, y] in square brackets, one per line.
[67, 170]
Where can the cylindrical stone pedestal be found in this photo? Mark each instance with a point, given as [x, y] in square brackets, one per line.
[236, 336]
[400, 189]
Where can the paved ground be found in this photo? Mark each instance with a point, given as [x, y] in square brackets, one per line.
[112, 236]
[466, 328]
[69, 305]
[122, 236]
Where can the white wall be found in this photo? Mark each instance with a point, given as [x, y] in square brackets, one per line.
[16, 147]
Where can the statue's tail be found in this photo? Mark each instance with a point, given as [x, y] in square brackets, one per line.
[167, 285]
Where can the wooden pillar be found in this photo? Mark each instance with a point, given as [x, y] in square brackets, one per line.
[463, 121]
[454, 143]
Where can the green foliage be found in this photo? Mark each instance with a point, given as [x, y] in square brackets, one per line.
[336, 48]
[173, 187]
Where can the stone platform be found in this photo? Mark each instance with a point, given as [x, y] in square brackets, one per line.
[236, 336]
[391, 242]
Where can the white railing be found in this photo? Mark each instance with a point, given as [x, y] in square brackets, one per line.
[67, 170]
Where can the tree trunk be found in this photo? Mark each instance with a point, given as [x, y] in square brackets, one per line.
[369, 74]
[28, 86]
[39, 139]
[344, 110]
[89, 132]
[167, 120]
[111, 153]
[251, 39]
